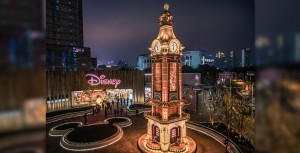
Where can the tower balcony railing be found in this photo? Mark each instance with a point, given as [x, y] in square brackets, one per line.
[171, 119]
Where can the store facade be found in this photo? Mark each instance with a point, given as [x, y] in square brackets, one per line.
[67, 90]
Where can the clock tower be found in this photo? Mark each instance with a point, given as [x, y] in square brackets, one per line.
[166, 129]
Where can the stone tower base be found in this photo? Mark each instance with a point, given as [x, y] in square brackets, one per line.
[144, 147]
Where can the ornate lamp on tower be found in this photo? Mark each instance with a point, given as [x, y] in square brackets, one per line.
[166, 129]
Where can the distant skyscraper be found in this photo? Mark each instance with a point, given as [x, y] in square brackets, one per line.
[143, 61]
[123, 64]
[196, 58]
[220, 60]
[64, 40]
[297, 48]
[94, 63]
[231, 60]
[246, 58]
[21, 34]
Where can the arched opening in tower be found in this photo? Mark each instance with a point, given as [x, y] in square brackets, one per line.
[175, 135]
[155, 134]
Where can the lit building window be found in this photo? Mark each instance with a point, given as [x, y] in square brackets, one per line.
[157, 77]
[173, 77]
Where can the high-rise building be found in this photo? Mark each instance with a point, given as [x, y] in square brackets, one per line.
[297, 48]
[196, 58]
[94, 63]
[166, 122]
[220, 60]
[144, 62]
[64, 38]
[123, 64]
[246, 57]
[231, 60]
[21, 34]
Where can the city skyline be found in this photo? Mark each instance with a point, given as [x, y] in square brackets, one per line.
[123, 31]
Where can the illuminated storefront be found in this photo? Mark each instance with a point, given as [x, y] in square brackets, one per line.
[91, 97]
[66, 90]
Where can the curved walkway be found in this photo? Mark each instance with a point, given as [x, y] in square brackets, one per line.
[213, 135]
[128, 143]
[69, 128]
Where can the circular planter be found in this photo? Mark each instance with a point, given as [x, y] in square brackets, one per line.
[79, 140]
[120, 121]
[62, 129]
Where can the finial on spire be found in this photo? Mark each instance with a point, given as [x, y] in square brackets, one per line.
[166, 6]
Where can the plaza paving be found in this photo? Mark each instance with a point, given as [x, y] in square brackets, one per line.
[128, 143]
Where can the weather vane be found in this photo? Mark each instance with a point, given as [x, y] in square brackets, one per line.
[166, 6]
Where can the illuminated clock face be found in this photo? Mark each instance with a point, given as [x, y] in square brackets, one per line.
[157, 47]
[173, 47]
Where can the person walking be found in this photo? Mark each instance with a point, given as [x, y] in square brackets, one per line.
[105, 112]
[113, 103]
[85, 118]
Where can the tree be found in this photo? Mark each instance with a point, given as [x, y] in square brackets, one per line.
[225, 114]
[242, 123]
[212, 104]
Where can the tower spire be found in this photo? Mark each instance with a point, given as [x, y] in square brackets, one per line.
[166, 7]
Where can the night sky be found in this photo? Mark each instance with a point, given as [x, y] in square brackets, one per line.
[119, 29]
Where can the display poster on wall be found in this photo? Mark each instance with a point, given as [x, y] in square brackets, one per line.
[89, 97]
[147, 93]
